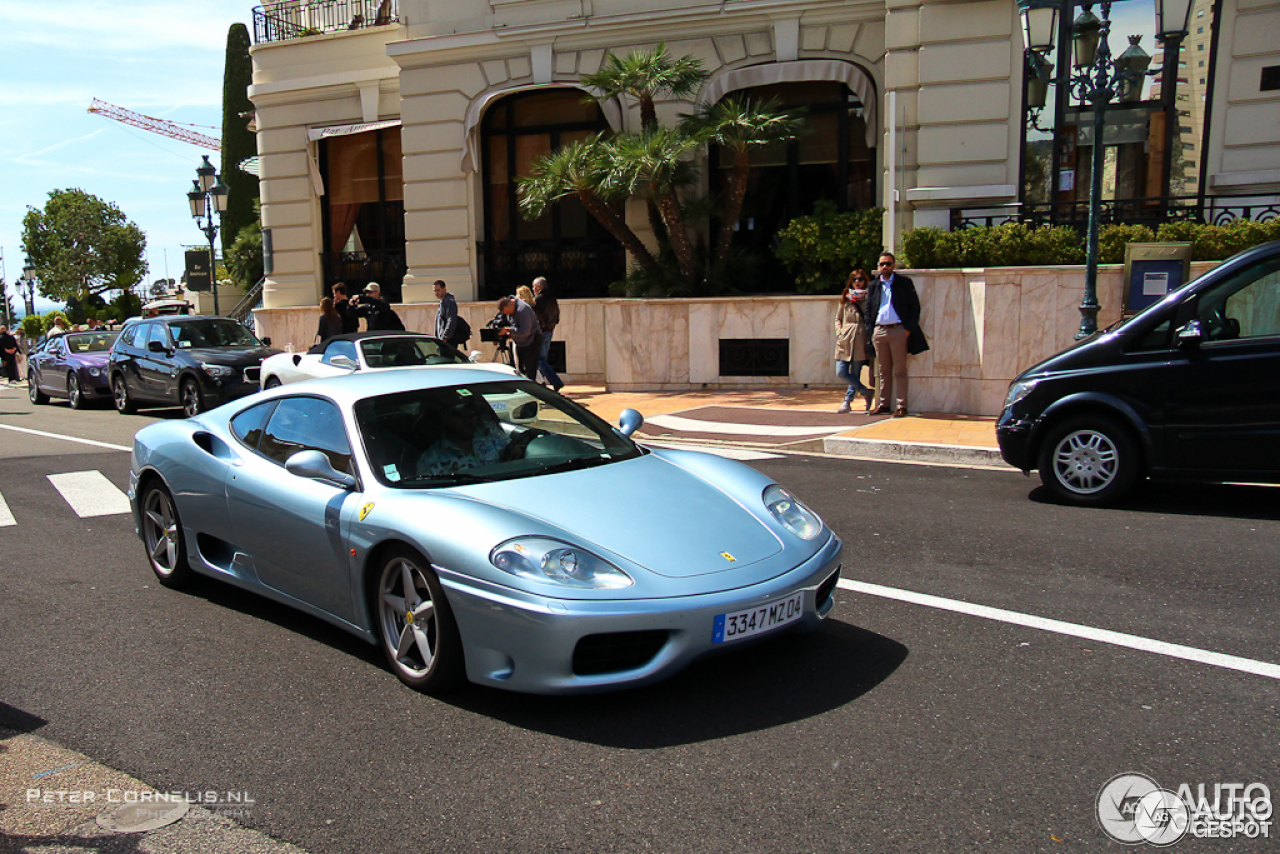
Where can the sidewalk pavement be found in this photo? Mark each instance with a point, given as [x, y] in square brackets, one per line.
[804, 420]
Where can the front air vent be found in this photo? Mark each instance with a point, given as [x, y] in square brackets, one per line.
[617, 651]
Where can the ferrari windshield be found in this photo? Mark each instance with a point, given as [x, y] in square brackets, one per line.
[188, 334]
[463, 434]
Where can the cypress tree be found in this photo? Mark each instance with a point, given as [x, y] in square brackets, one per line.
[238, 142]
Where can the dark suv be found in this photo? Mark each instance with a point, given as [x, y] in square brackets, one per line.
[192, 362]
[1189, 388]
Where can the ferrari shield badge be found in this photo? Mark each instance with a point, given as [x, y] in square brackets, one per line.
[728, 557]
[366, 510]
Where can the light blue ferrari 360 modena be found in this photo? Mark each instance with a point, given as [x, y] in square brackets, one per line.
[553, 556]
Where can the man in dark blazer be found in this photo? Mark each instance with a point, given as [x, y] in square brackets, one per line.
[892, 311]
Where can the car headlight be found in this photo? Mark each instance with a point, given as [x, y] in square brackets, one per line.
[95, 372]
[217, 370]
[793, 515]
[1018, 389]
[539, 559]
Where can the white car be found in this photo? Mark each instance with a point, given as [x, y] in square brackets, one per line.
[378, 351]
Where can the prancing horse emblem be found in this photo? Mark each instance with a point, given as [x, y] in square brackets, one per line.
[728, 557]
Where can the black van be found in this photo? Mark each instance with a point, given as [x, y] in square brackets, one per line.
[1189, 389]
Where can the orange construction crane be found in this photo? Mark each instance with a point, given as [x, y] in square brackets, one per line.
[154, 125]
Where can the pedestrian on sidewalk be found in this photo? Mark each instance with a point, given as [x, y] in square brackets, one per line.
[378, 312]
[852, 342]
[9, 354]
[892, 308]
[350, 320]
[523, 332]
[547, 309]
[451, 328]
[330, 321]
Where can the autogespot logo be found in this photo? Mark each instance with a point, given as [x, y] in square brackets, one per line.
[1133, 809]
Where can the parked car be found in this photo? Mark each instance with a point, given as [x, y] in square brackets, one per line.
[73, 365]
[401, 509]
[193, 362]
[376, 351]
[1189, 388]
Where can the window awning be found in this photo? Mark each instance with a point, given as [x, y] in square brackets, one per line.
[346, 130]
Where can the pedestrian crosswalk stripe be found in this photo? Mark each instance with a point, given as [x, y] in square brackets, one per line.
[6, 516]
[90, 493]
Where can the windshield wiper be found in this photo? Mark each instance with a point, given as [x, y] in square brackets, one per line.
[572, 465]
[453, 479]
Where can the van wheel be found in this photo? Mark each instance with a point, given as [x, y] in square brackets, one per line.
[1089, 460]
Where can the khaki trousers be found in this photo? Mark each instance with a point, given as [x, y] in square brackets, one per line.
[890, 343]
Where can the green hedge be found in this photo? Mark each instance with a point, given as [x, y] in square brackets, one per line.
[823, 248]
[1020, 245]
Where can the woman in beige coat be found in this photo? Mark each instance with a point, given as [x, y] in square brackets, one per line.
[852, 339]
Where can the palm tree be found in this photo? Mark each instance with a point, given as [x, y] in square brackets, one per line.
[644, 75]
[739, 124]
[581, 169]
[655, 164]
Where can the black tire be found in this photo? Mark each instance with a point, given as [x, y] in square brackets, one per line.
[416, 631]
[120, 394]
[273, 381]
[75, 392]
[38, 397]
[162, 537]
[192, 399]
[1089, 460]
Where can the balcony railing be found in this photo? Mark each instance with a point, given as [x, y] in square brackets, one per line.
[1151, 212]
[576, 267]
[357, 269]
[294, 19]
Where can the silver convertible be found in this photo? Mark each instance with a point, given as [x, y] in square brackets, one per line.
[556, 556]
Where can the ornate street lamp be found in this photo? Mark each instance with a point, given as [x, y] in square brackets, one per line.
[1097, 80]
[209, 196]
[1173, 19]
[29, 279]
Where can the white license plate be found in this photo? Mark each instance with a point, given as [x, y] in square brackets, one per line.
[744, 624]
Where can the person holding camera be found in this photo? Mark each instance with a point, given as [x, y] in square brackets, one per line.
[371, 306]
[524, 332]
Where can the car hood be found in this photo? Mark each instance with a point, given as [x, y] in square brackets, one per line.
[231, 356]
[89, 360]
[647, 510]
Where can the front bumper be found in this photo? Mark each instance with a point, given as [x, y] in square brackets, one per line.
[527, 643]
[1013, 435]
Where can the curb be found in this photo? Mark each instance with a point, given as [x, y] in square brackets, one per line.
[885, 449]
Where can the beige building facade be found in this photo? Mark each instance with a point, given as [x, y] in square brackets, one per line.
[390, 132]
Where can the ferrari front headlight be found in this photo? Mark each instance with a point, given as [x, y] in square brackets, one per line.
[793, 515]
[545, 560]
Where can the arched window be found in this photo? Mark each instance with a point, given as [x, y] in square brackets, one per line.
[565, 244]
[830, 161]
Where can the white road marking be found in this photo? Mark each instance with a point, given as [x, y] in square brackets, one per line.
[90, 493]
[1173, 650]
[6, 515]
[729, 453]
[66, 438]
[690, 425]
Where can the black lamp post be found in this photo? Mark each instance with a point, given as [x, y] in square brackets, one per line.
[1172, 24]
[29, 279]
[208, 196]
[1097, 80]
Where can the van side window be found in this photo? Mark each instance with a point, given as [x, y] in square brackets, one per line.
[1156, 339]
[1245, 306]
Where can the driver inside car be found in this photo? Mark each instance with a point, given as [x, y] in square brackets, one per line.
[468, 439]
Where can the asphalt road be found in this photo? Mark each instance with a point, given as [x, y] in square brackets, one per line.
[897, 727]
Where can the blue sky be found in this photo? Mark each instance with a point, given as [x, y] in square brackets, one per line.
[163, 59]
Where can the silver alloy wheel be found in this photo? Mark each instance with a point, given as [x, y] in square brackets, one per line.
[1086, 461]
[192, 405]
[160, 532]
[33, 389]
[75, 395]
[120, 391]
[407, 618]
